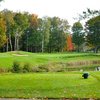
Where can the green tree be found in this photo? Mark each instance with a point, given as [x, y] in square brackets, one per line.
[58, 31]
[21, 24]
[78, 35]
[89, 14]
[44, 29]
[33, 34]
[93, 32]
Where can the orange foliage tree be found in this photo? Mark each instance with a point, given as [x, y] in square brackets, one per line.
[69, 45]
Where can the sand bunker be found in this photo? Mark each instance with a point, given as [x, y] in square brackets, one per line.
[19, 55]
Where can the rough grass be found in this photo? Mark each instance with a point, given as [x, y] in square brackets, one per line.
[7, 59]
[50, 85]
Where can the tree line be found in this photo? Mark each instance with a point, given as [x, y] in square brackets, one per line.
[27, 32]
[24, 31]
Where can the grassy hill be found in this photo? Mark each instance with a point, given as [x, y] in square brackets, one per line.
[72, 60]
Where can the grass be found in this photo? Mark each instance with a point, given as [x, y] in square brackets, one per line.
[7, 59]
[51, 85]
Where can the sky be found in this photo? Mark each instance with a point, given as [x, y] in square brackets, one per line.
[66, 9]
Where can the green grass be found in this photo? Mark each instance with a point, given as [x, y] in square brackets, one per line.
[51, 85]
[7, 59]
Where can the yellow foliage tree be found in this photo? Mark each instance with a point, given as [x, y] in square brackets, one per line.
[2, 31]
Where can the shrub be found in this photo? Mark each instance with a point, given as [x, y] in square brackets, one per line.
[27, 68]
[16, 67]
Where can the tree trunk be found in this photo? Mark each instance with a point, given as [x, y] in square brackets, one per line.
[42, 46]
[15, 43]
[10, 42]
[78, 49]
[96, 49]
[3, 48]
[27, 44]
[7, 46]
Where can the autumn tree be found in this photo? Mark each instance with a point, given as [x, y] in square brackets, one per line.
[78, 35]
[2, 30]
[8, 16]
[70, 46]
[24, 31]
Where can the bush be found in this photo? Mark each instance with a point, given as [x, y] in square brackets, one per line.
[27, 68]
[16, 67]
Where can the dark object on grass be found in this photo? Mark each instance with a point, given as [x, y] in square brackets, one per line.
[85, 75]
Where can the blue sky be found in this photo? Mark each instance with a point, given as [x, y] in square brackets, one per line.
[66, 9]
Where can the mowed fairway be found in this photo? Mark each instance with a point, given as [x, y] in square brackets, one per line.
[51, 85]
